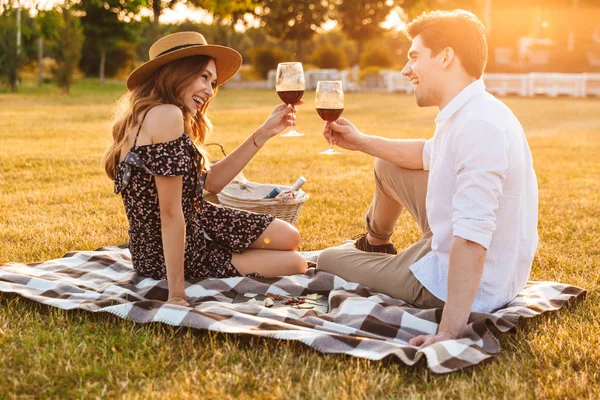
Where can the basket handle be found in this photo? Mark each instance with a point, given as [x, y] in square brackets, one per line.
[217, 144]
[239, 177]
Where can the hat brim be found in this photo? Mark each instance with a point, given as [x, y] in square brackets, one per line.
[227, 60]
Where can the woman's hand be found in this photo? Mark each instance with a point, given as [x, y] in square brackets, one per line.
[281, 117]
[179, 301]
[343, 134]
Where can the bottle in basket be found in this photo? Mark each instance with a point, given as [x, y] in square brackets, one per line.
[294, 191]
[273, 193]
[301, 181]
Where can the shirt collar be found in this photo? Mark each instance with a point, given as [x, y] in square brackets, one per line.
[460, 100]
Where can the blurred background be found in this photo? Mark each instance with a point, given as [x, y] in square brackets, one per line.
[55, 41]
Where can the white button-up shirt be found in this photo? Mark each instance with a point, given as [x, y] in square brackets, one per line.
[482, 187]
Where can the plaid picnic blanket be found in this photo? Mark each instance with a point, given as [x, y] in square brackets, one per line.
[359, 322]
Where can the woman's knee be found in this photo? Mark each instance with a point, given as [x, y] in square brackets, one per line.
[293, 264]
[289, 234]
[299, 264]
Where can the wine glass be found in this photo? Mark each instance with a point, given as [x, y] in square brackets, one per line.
[289, 84]
[329, 101]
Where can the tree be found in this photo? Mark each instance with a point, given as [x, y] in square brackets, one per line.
[227, 14]
[68, 39]
[105, 25]
[294, 20]
[158, 6]
[9, 58]
[361, 19]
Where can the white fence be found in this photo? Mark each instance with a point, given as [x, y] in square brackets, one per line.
[531, 84]
[549, 84]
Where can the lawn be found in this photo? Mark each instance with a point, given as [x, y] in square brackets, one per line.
[54, 197]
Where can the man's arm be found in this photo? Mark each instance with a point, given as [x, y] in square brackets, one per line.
[406, 153]
[465, 268]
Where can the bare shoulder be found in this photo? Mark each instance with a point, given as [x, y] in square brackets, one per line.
[164, 123]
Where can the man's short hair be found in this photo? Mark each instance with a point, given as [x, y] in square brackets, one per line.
[459, 29]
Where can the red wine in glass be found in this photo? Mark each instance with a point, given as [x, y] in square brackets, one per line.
[329, 102]
[329, 114]
[290, 85]
[290, 96]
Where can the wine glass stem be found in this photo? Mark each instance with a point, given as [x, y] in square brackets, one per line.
[330, 136]
[294, 118]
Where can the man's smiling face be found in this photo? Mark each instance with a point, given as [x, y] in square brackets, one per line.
[424, 72]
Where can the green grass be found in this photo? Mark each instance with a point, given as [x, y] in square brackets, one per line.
[54, 198]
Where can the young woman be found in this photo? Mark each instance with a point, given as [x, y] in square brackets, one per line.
[160, 169]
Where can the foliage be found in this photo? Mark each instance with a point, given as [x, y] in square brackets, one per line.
[264, 59]
[360, 19]
[9, 62]
[294, 20]
[229, 12]
[68, 43]
[105, 26]
[120, 59]
[372, 71]
[328, 56]
[158, 6]
[376, 55]
[335, 38]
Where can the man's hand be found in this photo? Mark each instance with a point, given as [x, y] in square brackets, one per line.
[465, 268]
[344, 134]
[427, 340]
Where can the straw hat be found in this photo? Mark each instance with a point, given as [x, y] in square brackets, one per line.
[184, 44]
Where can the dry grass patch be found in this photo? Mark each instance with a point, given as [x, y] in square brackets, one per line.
[55, 198]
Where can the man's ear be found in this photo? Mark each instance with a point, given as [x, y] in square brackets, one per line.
[448, 57]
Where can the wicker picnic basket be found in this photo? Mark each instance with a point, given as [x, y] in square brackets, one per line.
[250, 196]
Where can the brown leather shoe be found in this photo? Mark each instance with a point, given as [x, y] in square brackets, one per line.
[363, 244]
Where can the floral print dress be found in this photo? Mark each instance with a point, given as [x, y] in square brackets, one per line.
[213, 233]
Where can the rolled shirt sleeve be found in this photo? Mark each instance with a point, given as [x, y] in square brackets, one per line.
[427, 154]
[480, 153]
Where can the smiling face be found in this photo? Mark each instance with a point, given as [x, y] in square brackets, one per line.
[201, 89]
[425, 72]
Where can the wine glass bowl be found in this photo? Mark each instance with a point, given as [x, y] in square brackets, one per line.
[289, 84]
[329, 102]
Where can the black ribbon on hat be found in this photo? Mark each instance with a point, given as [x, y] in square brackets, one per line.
[183, 46]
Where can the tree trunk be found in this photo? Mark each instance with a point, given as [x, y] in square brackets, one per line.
[14, 81]
[14, 84]
[156, 9]
[359, 50]
[154, 27]
[40, 61]
[102, 61]
[299, 50]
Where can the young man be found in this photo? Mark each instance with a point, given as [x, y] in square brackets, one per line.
[471, 187]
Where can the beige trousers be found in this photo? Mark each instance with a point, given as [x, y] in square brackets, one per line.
[396, 189]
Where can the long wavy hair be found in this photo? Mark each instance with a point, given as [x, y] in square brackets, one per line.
[166, 86]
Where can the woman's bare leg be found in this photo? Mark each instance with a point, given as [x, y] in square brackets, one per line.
[279, 235]
[269, 263]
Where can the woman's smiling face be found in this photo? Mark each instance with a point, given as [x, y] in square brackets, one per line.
[202, 89]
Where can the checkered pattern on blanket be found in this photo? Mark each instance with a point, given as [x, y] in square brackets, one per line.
[360, 322]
